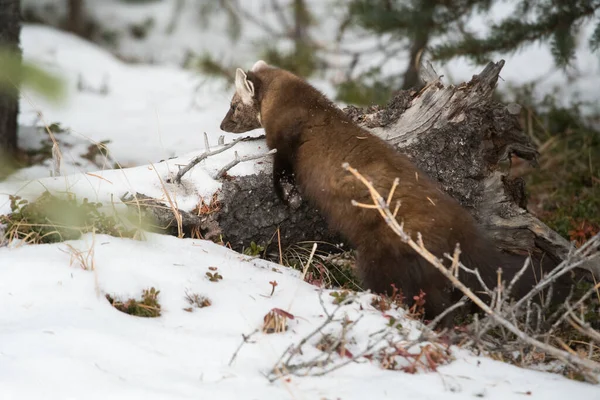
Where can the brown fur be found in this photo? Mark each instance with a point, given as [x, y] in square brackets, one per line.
[314, 138]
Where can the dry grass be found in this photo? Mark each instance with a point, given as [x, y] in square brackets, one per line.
[324, 269]
[565, 188]
[275, 321]
[196, 300]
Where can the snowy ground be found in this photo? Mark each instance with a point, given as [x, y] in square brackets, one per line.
[60, 338]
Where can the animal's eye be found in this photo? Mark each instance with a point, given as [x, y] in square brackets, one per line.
[233, 106]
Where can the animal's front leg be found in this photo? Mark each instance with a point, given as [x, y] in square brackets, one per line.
[284, 182]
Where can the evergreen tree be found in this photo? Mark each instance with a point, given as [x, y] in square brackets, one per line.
[555, 22]
[415, 22]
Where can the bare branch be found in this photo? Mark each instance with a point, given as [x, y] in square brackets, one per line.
[447, 311]
[237, 159]
[245, 339]
[207, 153]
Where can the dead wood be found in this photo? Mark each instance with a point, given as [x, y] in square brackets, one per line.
[459, 135]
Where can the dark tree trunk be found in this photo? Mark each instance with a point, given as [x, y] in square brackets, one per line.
[75, 18]
[301, 22]
[457, 134]
[10, 26]
[419, 42]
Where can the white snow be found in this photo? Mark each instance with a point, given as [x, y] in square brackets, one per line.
[61, 339]
[149, 112]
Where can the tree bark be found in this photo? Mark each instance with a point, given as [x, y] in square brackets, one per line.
[457, 134]
[420, 40]
[10, 27]
[76, 22]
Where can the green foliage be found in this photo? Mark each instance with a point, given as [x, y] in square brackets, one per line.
[367, 89]
[31, 155]
[214, 276]
[544, 21]
[14, 71]
[147, 307]
[294, 23]
[50, 219]
[340, 297]
[408, 18]
[253, 250]
[405, 25]
[8, 165]
[302, 60]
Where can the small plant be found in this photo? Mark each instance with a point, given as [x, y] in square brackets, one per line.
[50, 219]
[384, 302]
[429, 358]
[204, 208]
[418, 308]
[253, 250]
[85, 258]
[329, 268]
[275, 321]
[393, 323]
[147, 307]
[340, 297]
[196, 301]
[331, 344]
[273, 286]
[214, 276]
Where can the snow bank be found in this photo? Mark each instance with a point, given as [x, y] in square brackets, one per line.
[61, 339]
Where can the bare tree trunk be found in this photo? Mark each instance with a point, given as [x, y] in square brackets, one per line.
[10, 26]
[419, 42]
[76, 18]
[457, 134]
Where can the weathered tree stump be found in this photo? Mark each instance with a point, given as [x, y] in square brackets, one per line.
[458, 135]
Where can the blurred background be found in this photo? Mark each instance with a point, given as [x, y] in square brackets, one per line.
[142, 79]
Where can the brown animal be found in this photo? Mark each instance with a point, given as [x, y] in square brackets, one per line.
[313, 138]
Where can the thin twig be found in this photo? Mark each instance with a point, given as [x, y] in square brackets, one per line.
[207, 153]
[447, 311]
[237, 159]
[245, 339]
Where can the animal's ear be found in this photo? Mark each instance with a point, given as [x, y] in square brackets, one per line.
[259, 65]
[243, 86]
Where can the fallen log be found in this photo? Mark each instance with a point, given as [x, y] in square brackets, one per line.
[458, 135]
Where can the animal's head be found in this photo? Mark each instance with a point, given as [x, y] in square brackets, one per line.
[244, 112]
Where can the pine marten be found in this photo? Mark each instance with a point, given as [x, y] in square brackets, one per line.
[313, 138]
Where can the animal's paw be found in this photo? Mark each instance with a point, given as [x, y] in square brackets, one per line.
[290, 195]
